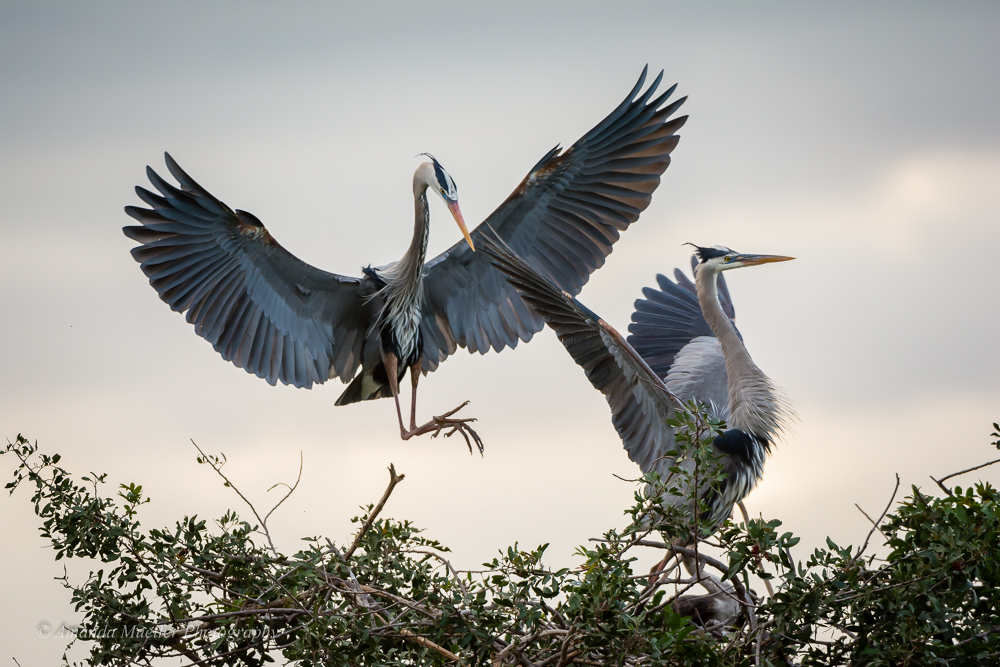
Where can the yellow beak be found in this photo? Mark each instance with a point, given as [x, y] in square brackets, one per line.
[457, 212]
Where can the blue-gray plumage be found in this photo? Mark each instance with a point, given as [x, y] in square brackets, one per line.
[283, 320]
[694, 352]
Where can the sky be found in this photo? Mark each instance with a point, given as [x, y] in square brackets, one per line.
[860, 139]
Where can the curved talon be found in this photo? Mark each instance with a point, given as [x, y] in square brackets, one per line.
[462, 427]
[442, 422]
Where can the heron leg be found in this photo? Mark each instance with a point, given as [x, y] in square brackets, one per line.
[391, 367]
[436, 424]
[414, 378]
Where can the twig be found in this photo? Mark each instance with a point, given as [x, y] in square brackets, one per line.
[708, 560]
[743, 511]
[879, 590]
[962, 472]
[447, 565]
[518, 644]
[940, 482]
[429, 644]
[555, 614]
[364, 600]
[367, 591]
[218, 469]
[941, 486]
[291, 489]
[394, 479]
[746, 522]
[845, 631]
[767, 585]
[814, 640]
[871, 520]
[416, 606]
[980, 636]
[741, 592]
[563, 656]
[876, 523]
[641, 543]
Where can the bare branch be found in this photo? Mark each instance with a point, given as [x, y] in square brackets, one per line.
[743, 599]
[941, 486]
[218, 469]
[291, 489]
[876, 523]
[871, 520]
[423, 641]
[743, 511]
[394, 479]
[940, 482]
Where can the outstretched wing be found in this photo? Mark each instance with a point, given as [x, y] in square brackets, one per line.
[640, 402]
[670, 318]
[563, 219]
[258, 305]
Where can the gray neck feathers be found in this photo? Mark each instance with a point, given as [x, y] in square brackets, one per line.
[755, 404]
[404, 289]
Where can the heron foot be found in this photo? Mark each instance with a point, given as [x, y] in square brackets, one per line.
[451, 426]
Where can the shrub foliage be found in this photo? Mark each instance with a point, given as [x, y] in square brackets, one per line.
[220, 593]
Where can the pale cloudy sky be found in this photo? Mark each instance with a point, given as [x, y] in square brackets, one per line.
[863, 141]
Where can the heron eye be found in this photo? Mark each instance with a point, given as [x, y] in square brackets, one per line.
[729, 258]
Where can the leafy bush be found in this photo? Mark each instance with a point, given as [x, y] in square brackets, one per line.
[221, 594]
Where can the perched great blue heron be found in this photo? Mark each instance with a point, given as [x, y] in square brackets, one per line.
[684, 346]
[282, 319]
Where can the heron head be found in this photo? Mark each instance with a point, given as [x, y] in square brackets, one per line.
[720, 258]
[434, 177]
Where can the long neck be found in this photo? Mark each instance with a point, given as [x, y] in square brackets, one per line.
[753, 400]
[403, 293]
[404, 279]
[412, 263]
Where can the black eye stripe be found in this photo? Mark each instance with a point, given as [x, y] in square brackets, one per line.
[705, 254]
[441, 177]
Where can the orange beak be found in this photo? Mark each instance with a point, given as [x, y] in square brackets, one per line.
[753, 260]
[457, 212]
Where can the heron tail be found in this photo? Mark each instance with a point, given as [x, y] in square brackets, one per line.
[355, 392]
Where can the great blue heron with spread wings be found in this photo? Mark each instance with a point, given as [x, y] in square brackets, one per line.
[284, 320]
[684, 346]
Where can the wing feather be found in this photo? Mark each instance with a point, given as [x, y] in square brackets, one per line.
[668, 319]
[563, 219]
[260, 307]
[639, 400]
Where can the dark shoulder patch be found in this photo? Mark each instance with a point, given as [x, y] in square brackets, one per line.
[735, 443]
[547, 166]
[249, 225]
[375, 277]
